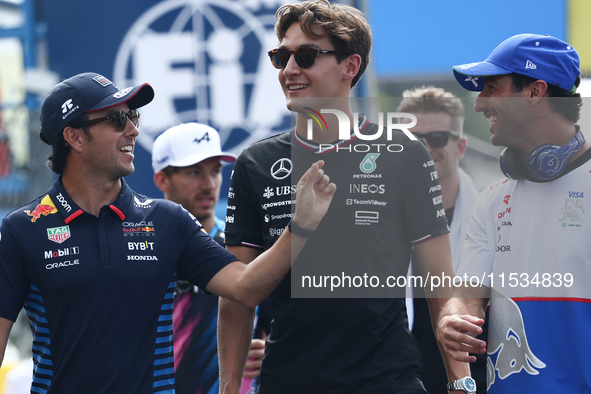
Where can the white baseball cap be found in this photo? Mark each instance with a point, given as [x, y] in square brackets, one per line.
[187, 144]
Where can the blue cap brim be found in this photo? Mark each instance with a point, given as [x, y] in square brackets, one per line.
[470, 76]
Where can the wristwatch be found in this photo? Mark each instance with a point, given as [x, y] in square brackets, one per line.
[297, 230]
[467, 385]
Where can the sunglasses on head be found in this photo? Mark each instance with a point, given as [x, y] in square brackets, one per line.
[437, 139]
[119, 117]
[304, 56]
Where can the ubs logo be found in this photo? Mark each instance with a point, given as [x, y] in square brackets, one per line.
[281, 169]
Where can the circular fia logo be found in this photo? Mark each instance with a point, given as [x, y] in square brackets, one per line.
[207, 61]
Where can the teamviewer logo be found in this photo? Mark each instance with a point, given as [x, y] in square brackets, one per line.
[67, 106]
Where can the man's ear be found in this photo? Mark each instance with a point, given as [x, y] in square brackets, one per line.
[162, 182]
[462, 144]
[352, 65]
[74, 138]
[538, 88]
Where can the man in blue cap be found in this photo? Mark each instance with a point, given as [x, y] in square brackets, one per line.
[94, 264]
[527, 249]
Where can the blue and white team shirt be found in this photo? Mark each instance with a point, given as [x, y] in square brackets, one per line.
[530, 243]
[99, 290]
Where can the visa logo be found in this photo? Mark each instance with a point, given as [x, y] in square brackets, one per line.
[575, 194]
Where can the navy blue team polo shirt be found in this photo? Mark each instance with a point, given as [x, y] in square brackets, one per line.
[99, 291]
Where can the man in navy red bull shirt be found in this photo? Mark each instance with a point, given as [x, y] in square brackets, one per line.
[94, 264]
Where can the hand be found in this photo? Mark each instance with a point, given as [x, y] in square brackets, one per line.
[456, 335]
[255, 359]
[313, 197]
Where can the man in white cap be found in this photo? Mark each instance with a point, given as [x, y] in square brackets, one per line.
[187, 160]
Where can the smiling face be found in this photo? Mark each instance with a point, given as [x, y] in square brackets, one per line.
[504, 109]
[196, 187]
[110, 152]
[323, 79]
[446, 158]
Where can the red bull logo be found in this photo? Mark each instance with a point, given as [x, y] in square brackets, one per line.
[46, 207]
[508, 339]
[139, 231]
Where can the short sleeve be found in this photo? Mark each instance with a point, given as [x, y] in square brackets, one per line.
[424, 214]
[477, 258]
[12, 273]
[202, 258]
[243, 222]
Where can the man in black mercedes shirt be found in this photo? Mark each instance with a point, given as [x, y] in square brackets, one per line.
[388, 199]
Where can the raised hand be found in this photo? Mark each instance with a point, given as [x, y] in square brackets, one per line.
[313, 197]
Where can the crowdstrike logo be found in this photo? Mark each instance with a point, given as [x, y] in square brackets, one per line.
[67, 106]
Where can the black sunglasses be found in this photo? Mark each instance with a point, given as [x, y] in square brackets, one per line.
[119, 117]
[304, 56]
[437, 139]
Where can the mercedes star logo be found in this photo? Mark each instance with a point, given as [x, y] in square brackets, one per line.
[281, 169]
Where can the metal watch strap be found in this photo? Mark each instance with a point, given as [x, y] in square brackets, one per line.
[297, 230]
[458, 385]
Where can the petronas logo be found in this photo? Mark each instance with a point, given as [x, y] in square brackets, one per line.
[368, 164]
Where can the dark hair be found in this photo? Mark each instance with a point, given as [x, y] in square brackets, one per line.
[345, 26]
[58, 158]
[570, 109]
[170, 170]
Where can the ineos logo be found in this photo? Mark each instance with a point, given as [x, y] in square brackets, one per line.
[281, 169]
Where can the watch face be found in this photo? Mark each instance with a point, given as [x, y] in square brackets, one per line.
[470, 384]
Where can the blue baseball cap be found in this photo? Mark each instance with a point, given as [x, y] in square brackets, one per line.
[86, 92]
[538, 56]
